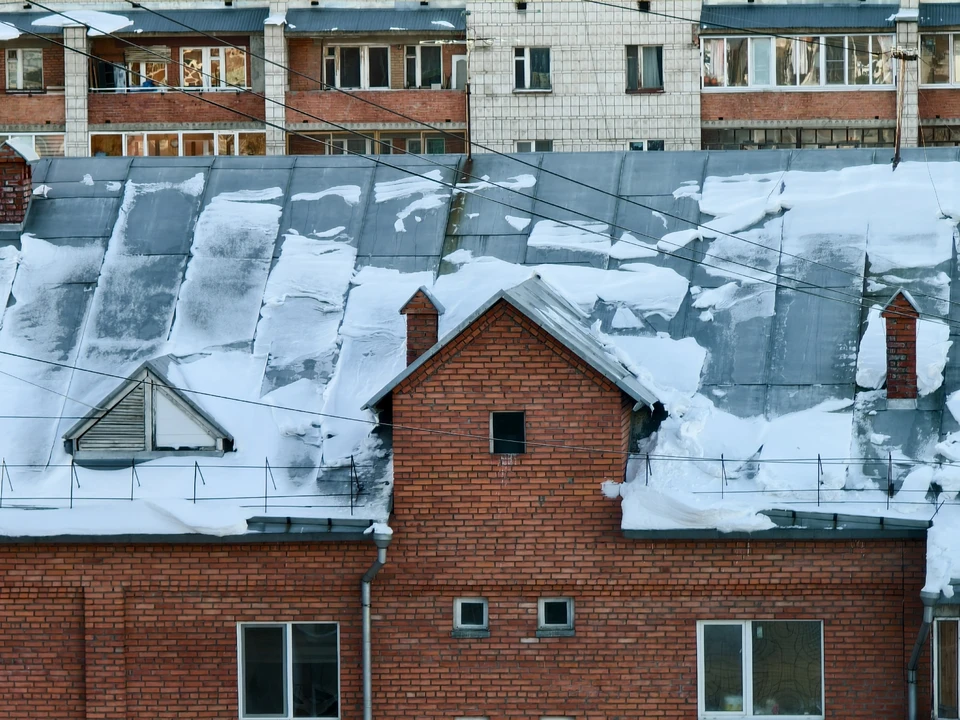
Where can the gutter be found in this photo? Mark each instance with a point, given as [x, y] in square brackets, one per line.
[382, 541]
[930, 600]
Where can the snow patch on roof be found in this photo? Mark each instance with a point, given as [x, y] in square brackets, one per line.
[100, 23]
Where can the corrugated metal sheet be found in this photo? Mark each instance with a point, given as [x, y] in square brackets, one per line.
[859, 16]
[366, 21]
[225, 20]
[24, 21]
[939, 14]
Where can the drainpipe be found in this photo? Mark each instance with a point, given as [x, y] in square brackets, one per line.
[382, 541]
[929, 604]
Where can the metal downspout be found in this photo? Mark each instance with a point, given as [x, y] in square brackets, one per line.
[929, 603]
[382, 541]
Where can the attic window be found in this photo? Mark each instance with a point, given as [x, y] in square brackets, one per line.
[507, 433]
[146, 415]
[555, 617]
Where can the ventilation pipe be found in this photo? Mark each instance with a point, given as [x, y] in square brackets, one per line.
[901, 315]
[382, 541]
[423, 313]
[929, 604]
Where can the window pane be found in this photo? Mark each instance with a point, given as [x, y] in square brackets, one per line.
[760, 61]
[555, 612]
[508, 427]
[135, 145]
[236, 67]
[633, 67]
[736, 62]
[379, 67]
[524, 146]
[253, 144]
[50, 145]
[263, 677]
[349, 67]
[436, 146]
[157, 72]
[722, 668]
[193, 68]
[786, 72]
[410, 67]
[786, 668]
[106, 145]
[430, 73]
[653, 67]
[947, 701]
[835, 53]
[540, 68]
[471, 613]
[414, 146]
[164, 144]
[316, 680]
[519, 69]
[215, 78]
[934, 63]
[858, 59]
[543, 146]
[12, 74]
[714, 64]
[226, 143]
[195, 144]
[32, 69]
[808, 60]
[882, 48]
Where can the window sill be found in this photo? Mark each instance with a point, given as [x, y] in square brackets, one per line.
[15, 91]
[470, 634]
[532, 91]
[797, 89]
[646, 91]
[555, 632]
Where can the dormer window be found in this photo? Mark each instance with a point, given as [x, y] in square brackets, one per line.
[143, 418]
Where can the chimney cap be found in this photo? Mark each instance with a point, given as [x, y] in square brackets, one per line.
[901, 292]
[405, 308]
[23, 147]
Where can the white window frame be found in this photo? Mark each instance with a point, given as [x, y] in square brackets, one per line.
[137, 72]
[364, 66]
[458, 623]
[531, 146]
[18, 85]
[207, 53]
[287, 669]
[746, 668]
[953, 79]
[542, 613]
[751, 85]
[419, 78]
[528, 69]
[33, 139]
[216, 139]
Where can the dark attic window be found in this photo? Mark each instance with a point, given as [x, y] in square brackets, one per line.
[507, 434]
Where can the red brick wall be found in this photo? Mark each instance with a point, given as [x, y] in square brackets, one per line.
[517, 528]
[173, 107]
[432, 106]
[842, 105]
[115, 632]
[52, 68]
[16, 109]
[422, 325]
[942, 104]
[15, 186]
[901, 325]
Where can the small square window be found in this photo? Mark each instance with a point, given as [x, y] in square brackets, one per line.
[507, 433]
[470, 618]
[554, 617]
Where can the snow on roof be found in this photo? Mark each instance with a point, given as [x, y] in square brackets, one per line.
[276, 312]
[23, 146]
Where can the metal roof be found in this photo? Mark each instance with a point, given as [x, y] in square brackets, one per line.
[542, 305]
[939, 14]
[23, 21]
[322, 20]
[735, 18]
[222, 20]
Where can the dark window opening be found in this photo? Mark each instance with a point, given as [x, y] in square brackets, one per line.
[556, 612]
[350, 67]
[472, 614]
[507, 433]
[379, 67]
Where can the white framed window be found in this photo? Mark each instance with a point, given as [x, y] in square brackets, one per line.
[44, 144]
[760, 668]
[646, 145]
[289, 670]
[24, 69]
[146, 74]
[555, 614]
[423, 66]
[470, 614]
[644, 67]
[940, 59]
[178, 144]
[805, 62]
[213, 68]
[525, 146]
[531, 66]
[357, 67]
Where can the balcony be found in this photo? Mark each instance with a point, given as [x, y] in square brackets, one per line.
[169, 106]
[32, 108]
[430, 106]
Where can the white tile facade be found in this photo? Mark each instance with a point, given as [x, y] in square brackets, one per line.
[588, 107]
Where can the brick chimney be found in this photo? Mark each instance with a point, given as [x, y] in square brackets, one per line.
[901, 315]
[16, 183]
[423, 320]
